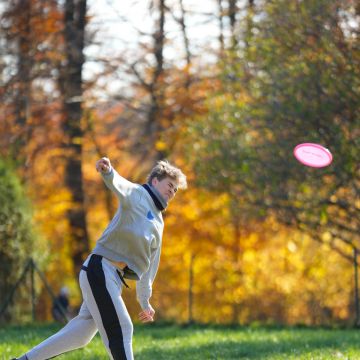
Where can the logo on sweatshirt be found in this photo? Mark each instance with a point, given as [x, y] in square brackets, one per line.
[150, 215]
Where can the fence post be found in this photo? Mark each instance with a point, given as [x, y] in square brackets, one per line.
[357, 309]
[33, 300]
[190, 294]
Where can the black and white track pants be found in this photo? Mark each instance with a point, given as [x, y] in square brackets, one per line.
[103, 310]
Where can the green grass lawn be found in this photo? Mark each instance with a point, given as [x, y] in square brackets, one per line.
[203, 342]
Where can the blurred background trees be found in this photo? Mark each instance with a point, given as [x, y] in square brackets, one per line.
[301, 85]
[225, 91]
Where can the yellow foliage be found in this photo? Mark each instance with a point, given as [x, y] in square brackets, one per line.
[160, 145]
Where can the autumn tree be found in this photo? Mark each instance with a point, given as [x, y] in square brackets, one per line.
[29, 31]
[46, 41]
[304, 76]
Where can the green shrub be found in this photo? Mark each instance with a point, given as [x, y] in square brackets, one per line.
[16, 239]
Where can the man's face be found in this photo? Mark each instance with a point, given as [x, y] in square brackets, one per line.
[167, 187]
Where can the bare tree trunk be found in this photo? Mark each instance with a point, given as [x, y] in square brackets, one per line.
[71, 84]
[232, 17]
[249, 22]
[186, 39]
[221, 27]
[154, 126]
[229, 11]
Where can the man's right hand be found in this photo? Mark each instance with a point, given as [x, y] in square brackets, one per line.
[103, 165]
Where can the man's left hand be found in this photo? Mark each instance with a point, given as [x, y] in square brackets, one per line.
[147, 315]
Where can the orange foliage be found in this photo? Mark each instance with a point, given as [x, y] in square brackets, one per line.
[242, 271]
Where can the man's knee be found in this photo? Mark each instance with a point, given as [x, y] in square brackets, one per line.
[83, 341]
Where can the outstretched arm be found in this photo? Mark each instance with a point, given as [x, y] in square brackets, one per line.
[116, 183]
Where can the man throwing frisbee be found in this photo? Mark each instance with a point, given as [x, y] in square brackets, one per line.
[129, 248]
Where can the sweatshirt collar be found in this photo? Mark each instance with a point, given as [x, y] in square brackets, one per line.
[158, 199]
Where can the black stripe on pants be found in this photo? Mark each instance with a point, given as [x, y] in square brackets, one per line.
[109, 317]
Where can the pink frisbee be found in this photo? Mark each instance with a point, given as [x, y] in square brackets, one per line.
[313, 155]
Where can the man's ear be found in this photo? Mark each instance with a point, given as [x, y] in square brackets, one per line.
[154, 181]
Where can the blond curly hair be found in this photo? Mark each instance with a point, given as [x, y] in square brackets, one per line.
[164, 169]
